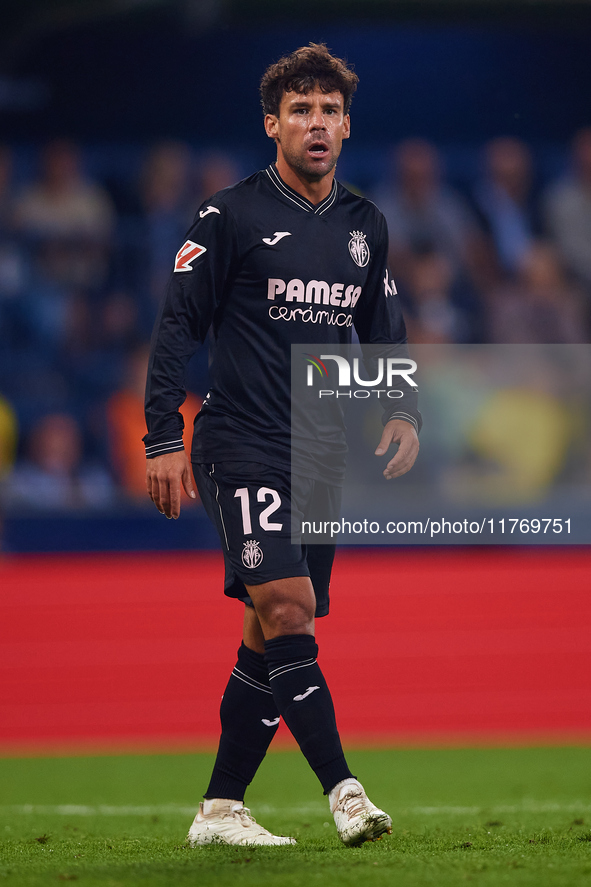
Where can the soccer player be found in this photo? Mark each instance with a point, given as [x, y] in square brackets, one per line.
[286, 256]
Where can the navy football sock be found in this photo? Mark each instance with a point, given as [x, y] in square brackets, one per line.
[249, 719]
[304, 701]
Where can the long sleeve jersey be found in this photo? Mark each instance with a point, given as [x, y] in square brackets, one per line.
[265, 269]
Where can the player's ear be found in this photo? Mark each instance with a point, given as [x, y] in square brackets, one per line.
[346, 126]
[271, 125]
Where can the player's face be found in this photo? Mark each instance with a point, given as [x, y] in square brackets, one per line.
[309, 131]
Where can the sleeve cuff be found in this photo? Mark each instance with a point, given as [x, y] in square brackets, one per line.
[160, 449]
[406, 417]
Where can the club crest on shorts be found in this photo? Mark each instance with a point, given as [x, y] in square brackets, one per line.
[358, 248]
[252, 555]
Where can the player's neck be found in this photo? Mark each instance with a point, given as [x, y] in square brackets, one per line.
[315, 191]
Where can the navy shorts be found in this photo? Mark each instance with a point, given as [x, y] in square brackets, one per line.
[250, 504]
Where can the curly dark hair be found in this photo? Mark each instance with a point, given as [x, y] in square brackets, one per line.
[302, 71]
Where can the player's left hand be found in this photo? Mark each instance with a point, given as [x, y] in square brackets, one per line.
[403, 433]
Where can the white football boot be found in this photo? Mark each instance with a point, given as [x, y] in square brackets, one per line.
[356, 818]
[230, 822]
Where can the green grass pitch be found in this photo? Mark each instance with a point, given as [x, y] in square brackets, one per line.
[515, 816]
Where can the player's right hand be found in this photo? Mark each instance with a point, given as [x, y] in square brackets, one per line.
[164, 475]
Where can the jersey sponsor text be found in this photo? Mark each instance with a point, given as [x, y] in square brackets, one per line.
[308, 315]
[317, 292]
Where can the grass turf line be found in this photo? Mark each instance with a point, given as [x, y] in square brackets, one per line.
[477, 816]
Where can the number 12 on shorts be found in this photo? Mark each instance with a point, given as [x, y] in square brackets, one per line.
[263, 494]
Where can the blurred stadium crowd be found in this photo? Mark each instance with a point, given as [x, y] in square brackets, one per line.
[84, 264]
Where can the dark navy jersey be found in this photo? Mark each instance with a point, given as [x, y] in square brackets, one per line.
[265, 269]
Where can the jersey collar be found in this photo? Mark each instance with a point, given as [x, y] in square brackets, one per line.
[302, 202]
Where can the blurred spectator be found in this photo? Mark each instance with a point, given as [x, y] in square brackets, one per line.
[12, 260]
[518, 427]
[519, 466]
[73, 217]
[54, 474]
[423, 213]
[118, 325]
[6, 193]
[432, 316]
[568, 211]
[43, 308]
[216, 171]
[8, 441]
[127, 426]
[522, 434]
[8, 437]
[13, 270]
[168, 203]
[165, 180]
[89, 372]
[506, 202]
[114, 336]
[541, 306]
[62, 203]
[97, 337]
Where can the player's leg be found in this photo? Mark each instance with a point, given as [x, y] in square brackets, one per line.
[249, 720]
[356, 818]
[285, 609]
[249, 717]
[248, 714]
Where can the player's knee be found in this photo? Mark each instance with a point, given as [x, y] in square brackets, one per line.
[290, 617]
[285, 606]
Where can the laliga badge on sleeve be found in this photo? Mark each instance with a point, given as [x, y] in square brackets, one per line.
[187, 254]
